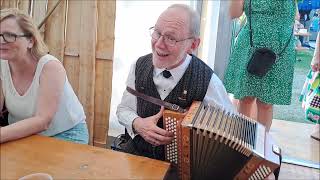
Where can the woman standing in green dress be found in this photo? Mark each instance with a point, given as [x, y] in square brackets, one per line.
[272, 25]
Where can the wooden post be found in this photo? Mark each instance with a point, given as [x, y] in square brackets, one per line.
[5, 4]
[80, 53]
[88, 32]
[39, 12]
[24, 5]
[13, 3]
[72, 44]
[55, 28]
[104, 55]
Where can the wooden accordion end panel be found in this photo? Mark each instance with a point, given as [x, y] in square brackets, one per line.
[213, 143]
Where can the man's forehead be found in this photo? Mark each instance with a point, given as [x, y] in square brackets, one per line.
[172, 20]
[174, 14]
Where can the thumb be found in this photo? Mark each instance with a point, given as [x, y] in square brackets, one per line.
[158, 115]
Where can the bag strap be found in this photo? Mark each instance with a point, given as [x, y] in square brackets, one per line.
[250, 31]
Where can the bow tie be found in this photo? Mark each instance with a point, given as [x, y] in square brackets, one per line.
[166, 74]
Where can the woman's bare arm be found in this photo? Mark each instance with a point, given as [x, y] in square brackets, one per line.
[315, 63]
[236, 8]
[52, 81]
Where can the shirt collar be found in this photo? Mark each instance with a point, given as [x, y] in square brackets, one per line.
[177, 71]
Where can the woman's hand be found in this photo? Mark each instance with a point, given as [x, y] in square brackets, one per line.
[315, 63]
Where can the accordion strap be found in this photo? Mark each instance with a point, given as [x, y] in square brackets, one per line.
[156, 101]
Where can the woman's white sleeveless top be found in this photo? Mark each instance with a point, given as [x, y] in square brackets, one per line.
[70, 111]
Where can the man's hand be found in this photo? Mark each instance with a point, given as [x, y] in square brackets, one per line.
[147, 128]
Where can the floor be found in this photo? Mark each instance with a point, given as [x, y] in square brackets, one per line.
[297, 145]
[295, 141]
[293, 172]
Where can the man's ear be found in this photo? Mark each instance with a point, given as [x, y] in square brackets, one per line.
[194, 45]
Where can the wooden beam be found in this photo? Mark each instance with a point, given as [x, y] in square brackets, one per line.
[13, 3]
[5, 4]
[49, 12]
[24, 5]
[102, 102]
[88, 32]
[72, 44]
[39, 12]
[103, 86]
[106, 26]
[55, 29]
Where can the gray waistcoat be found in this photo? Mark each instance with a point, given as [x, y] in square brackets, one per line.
[192, 87]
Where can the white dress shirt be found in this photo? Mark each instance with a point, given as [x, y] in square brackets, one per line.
[127, 110]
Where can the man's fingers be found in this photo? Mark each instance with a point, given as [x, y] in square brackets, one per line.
[163, 136]
[163, 132]
[156, 139]
[161, 139]
[158, 136]
[158, 115]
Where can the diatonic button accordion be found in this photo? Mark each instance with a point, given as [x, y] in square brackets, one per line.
[211, 143]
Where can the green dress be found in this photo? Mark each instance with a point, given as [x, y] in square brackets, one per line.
[272, 22]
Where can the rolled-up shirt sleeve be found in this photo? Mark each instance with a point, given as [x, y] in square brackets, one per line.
[217, 95]
[126, 110]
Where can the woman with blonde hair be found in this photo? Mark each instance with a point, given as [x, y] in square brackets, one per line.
[34, 85]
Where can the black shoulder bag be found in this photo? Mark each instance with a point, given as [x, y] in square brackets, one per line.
[262, 59]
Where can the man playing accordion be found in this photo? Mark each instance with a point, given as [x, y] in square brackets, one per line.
[171, 73]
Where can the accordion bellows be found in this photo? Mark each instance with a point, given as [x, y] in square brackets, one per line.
[212, 143]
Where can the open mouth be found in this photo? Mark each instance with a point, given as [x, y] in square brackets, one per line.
[162, 54]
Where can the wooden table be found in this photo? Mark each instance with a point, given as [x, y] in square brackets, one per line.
[65, 160]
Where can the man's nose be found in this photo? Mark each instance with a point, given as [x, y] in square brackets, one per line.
[2, 41]
[160, 41]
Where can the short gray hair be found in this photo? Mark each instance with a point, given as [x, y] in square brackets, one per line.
[194, 18]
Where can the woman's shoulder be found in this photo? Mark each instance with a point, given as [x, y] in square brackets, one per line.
[3, 64]
[49, 61]
[48, 57]
[51, 66]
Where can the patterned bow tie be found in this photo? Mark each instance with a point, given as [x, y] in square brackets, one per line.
[166, 74]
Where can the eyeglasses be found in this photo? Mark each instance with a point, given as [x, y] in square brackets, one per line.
[10, 37]
[168, 40]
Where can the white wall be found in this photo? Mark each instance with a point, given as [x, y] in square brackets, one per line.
[209, 42]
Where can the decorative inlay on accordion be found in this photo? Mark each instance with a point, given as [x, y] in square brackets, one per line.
[212, 143]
